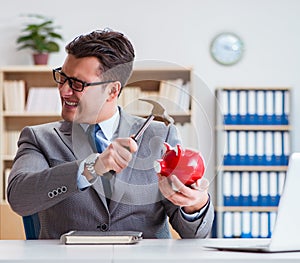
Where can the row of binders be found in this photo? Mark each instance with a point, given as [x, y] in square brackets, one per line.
[252, 188]
[255, 107]
[248, 224]
[256, 147]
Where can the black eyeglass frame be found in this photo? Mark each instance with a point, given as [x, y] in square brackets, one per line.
[83, 83]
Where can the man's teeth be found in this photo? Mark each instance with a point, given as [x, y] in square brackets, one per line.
[71, 103]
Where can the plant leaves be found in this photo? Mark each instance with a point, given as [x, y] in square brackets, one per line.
[40, 37]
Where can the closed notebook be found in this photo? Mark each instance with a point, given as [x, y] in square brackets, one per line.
[98, 237]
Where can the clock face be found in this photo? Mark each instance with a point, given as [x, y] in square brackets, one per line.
[227, 48]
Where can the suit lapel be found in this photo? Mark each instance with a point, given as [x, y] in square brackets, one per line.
[76, 139]
[65, 134]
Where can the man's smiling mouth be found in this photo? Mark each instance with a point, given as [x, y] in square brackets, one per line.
[71, 103]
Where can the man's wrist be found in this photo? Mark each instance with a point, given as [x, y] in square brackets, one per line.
[89, 164]
[196, 215]
[82, 181]
[196, 208]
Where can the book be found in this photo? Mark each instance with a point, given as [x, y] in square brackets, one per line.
[129, 99]
[11, 142]
[174, 95]
[14, 95]
[37, 97]
[99, 237]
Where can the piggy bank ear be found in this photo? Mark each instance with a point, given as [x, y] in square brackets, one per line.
[178, 150]
[166, 147]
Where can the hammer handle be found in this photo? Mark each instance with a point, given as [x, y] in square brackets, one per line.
[143, 128]
[111, 173]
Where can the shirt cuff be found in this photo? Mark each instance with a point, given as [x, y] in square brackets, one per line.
[82, 182]
[195, 216]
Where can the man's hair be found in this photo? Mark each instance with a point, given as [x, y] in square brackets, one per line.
[113, 50]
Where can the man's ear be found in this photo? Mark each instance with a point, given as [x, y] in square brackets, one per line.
[114, 90]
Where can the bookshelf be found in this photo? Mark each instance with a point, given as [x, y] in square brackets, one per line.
[252, 150]
[148, 81]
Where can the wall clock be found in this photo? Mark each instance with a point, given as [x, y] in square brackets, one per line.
[227, 48]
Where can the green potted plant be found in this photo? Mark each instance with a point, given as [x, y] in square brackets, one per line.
[41, 37]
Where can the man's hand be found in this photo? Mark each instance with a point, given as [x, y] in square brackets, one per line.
[116, 156]
[191, 199]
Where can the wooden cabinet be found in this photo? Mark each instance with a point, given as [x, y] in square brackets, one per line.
[11, 225]
[253, 147]
[13, 118]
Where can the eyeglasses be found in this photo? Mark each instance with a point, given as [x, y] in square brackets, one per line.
[74, 83]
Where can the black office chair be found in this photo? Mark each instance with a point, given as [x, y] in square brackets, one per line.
[32, 226]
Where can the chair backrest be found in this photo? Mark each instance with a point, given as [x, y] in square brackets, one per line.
[32, 226]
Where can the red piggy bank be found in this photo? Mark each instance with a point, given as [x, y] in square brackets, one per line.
[188, 165]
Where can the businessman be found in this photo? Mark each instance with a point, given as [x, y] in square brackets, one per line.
[63, 171]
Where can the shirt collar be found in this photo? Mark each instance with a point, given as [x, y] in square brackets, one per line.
[108, 126]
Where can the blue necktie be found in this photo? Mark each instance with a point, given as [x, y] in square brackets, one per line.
[100, 139]
[101, 143]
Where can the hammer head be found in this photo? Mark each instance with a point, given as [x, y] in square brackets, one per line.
[159, 111]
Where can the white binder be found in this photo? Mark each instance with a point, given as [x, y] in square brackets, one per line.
[246, 224]
[264, 225]
[264, 188]
[242, 143]
[251, 102]
[251, 144]
[260, 103]
[255, 222]
[254, 190]
[269, 145]
[243, 105]
[233, 106]
[236, 188]
[245, 188]
[278, 103]
[269, 103]
[227, 187]
[227, 224]
[237, 224]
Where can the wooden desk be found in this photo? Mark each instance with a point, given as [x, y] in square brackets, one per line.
[188, 250]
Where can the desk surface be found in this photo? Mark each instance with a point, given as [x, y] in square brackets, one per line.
[169, 250]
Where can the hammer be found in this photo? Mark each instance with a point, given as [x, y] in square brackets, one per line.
[157, 111]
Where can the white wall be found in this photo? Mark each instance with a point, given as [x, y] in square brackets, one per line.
[180, 32]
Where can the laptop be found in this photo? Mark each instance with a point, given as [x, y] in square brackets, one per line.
[286, 232]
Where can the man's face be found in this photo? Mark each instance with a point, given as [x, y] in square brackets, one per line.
[92, 104]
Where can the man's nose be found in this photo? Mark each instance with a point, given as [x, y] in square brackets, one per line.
[65, 88]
